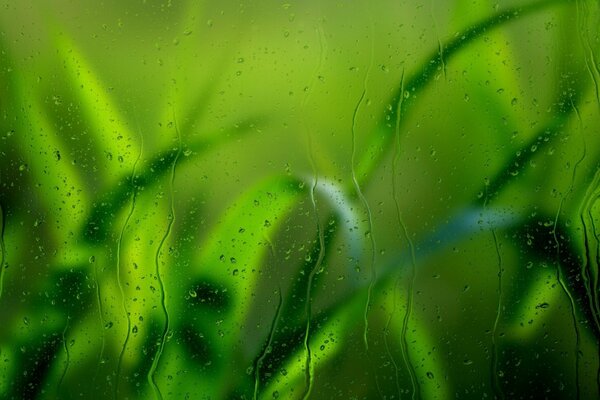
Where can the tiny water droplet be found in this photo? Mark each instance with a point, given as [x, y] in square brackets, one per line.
[430, 374]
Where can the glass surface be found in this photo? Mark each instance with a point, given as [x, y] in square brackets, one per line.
[294, 200]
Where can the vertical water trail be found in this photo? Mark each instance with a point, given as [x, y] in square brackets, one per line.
[588, 260]
[595, 268]
[594, 277]
[495, 382]
[308, 302]
[2, 248]
[590, 59]
[359, 192]
[134, 190]
[589, 266]
[67, 353]
[404, 231]
[267, 348]
[495, 374]
[386, 333]
[559, 274]
[440, 46]
[102, 323]
[163, 294]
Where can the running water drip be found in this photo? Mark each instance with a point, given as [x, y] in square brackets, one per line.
[308, 367]
[386, 333]
[495, 373]
[559, 274]
[68, 356]
[267, 348]
[404, 232]
[118, 268]
[591, 63]
[359, 192]
[440, 46]
[495, 382]
[101, 317]
[589, 267]
[409, 306]
[2, 248]
[163, 293]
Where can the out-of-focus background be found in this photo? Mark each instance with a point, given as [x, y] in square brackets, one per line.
[265, 199]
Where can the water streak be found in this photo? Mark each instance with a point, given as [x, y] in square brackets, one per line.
[404, 231]
[67, 353]
[102, 323]
[386, 333]
[2, 248]
[439, 40]
[590, 58]
[118, 266]
[308, 367]
[267, 348]
[495, 374]
[559, 273]
[163, 293]
[360, 194]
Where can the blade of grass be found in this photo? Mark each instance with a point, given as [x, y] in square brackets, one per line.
[415, 83]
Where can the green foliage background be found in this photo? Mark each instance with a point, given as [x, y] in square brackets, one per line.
[262, 199]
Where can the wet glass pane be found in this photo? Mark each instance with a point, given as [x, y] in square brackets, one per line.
[299, 200]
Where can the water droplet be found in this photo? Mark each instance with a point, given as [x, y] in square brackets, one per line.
[108, 325]
[92, 259]
[430, 374]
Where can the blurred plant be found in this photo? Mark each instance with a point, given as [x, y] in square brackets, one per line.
[137, 301]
